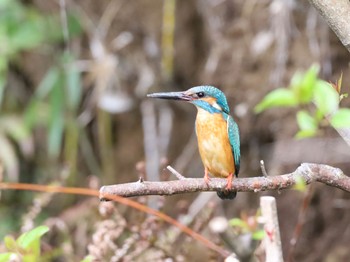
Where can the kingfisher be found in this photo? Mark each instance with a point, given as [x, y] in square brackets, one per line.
[217, 133]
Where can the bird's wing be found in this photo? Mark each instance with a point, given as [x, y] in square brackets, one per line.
[233, 135]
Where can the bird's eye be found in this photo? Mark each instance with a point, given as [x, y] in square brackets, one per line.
[200, 94]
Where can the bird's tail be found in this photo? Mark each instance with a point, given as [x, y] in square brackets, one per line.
[224, 194]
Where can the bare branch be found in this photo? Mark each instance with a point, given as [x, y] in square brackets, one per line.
[336, 14]
[328, 175]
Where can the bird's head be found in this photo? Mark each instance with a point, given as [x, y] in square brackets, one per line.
[206, 97]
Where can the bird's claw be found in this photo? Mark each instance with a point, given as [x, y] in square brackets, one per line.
[206, 177]
[207, 180]
[229, 183]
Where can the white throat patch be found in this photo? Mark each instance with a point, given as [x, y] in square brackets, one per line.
[217, 106]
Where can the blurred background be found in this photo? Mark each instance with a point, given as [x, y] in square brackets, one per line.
[73, 112]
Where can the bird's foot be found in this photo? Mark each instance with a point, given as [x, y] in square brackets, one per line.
[206, 176]
[207, 179]
[229, 182]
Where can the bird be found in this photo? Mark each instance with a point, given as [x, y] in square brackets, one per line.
[217, 133]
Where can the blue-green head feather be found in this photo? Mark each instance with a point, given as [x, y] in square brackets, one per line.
[201, 92]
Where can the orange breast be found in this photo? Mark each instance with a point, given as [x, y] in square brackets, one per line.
[213, 143]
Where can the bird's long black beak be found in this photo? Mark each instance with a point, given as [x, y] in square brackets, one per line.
[172, 96]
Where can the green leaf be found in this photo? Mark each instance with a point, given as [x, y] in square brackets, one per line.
[258, 235]
[306, 121]
[88, 258]
[28, 29]
[8, 157]
[277, 98]
[30, 241]
[342, 96]
[318, 115]
[300, 184]
[73, 87]
[5, 3]
[56, 124]
[236, 222]
[48, 83]
[2, 85]
[3, 64]
[74, 24]
[31, 113]
[296, 80]
[303, 85]
[305, 134]
[5, 257]
[341, 118]
[29, 34]
[10, 243]
[15, 128]
[326, 98]
[37, 112]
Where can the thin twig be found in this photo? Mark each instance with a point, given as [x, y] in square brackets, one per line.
[109, 14]
[175, 173]
[263, 169]
[301, 221]
[328, 175]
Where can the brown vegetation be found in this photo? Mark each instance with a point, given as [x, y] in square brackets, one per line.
[120, 52]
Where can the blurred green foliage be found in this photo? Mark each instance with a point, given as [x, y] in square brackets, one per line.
[248, 225]
[26, 247]
[23, 28]
[45, 127]
[317, 99]
[300, 184]
[13, 128]
[39, 130]
[61, 89]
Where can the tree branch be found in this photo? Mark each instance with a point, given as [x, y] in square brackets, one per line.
[337, 15]
[328, 175]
